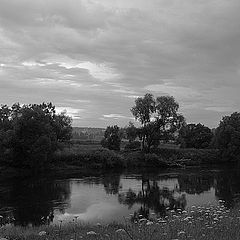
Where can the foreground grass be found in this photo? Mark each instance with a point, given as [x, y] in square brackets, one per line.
[211, 222]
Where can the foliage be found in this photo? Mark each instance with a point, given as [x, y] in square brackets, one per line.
[227, 137]
[195, 156]
[112, 138]
[195, 136]
[153, 160]
[131, 132]
[30, 133]
[98, 159]
[159, 118]
[133, 145]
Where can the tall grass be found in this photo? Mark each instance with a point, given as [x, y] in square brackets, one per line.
[199, 223]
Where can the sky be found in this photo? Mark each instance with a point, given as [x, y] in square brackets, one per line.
[92, 58]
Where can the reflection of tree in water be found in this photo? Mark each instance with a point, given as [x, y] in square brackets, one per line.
[33, 201]
[195, 183]
[227, 187]
[152, 197]
[111, 183]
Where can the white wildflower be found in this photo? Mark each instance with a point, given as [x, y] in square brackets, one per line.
[91, 233]
[149, 223]
[42, 233]
[120, 230]
[142, 220]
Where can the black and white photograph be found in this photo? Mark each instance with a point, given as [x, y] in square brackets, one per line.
[119, 119]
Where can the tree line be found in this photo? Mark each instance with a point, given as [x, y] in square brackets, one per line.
[30, 134]
[161, 121]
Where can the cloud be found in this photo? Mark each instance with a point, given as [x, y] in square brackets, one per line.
[221, 109]
[98, 71]
[72, 112]
[178, 92]
[108, 52]
[116, 116]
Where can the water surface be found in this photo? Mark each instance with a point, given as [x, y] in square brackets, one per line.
[112, 196]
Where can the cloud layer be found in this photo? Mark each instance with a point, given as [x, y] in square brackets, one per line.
[94, 57]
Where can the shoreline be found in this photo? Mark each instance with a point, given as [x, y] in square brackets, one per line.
[93, 162]
[205, 223]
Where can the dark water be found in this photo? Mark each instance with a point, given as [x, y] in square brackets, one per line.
[112, 196]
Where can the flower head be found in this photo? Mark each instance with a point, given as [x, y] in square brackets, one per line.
[42, 233]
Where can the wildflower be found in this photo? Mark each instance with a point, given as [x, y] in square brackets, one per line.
[142, 220]
[187, 218]
[162, 221]
[107, 236]
[120, 230]
[149, 223]
[91, 233]
[181, 232]
[42, 233]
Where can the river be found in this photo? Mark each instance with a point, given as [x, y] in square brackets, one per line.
[113, 196]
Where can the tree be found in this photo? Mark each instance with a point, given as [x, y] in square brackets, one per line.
[195, 136]
[131, 132]
[112, 139]
[159, 118]
[227, 137]
[34, 132]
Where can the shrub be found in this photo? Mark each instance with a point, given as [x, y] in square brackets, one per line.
[112, 139]
[153, 160]
[94, 159]
[133, 145]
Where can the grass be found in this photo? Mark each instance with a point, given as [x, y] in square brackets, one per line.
[95, 157]
[199, 223]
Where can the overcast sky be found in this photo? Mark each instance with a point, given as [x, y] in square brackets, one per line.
[94, 57]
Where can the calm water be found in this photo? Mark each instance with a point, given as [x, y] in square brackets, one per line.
[112, 196]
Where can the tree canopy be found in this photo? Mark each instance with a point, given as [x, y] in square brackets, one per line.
[29, 134]
[227, 137]
[195, 136]
[159, 118]
[112, 138]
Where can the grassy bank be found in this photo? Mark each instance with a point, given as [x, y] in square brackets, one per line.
[107, 159]
[199, 223]
[87, 157]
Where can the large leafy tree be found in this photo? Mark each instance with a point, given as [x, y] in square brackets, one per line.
[32, 132]
[159, 118]
[112, 138]
[195, 136]
[227, 137]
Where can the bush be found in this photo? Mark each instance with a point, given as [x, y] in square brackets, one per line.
[94, 159]
[112, 139]
[153, 160]
[133, 145]
[197, 156]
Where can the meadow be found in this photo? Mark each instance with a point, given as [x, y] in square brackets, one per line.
[198, 223]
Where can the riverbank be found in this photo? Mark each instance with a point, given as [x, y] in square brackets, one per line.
[199, 223]
[160, 158]
[70, 160]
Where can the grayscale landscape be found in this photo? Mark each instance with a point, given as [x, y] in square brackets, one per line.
[119, 119]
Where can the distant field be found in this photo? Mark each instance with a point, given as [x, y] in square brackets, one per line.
[86, 145]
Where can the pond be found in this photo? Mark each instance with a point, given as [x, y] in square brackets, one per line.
[109, 197]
